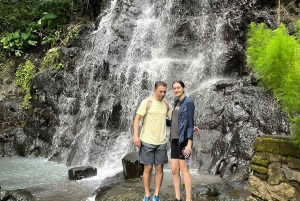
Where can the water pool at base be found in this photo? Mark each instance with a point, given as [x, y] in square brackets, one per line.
[47, 180]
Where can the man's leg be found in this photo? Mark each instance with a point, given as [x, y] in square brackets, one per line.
[147, 178]
[159, 172]
[161, 158]
[146, 157]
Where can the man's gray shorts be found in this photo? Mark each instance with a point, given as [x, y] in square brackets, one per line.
[153, 154]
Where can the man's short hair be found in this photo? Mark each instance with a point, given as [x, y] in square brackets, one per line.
[160, 83]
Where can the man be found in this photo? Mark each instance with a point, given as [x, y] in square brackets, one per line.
[152, 140]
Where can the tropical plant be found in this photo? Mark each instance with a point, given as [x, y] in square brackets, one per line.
[275, 57]
[27, 23]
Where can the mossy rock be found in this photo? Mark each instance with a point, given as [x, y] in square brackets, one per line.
[52, 60]
[259, 169]
[292, 162]
[278, 146]
[259, 161]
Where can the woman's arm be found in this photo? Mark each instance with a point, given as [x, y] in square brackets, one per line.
[190, 119]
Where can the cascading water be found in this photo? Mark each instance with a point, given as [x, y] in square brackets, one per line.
[139, 42]
[135, 44]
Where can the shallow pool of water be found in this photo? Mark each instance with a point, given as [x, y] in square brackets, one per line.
[47, 180]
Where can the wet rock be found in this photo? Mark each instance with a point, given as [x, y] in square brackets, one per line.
[122, 191]
[15, 195]
[131, 166]
[4, 195]
[78, 173]
[237, 111]
[133, 190]
[13, 141]
[10, 111]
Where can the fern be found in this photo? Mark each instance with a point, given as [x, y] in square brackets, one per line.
[275, 57]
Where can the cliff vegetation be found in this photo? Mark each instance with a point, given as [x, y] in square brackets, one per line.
[275, 56]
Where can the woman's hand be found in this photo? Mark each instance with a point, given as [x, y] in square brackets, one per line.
[196, 130]
[187, 151]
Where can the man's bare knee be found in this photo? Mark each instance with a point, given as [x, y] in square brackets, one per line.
[147, 168]
[159, 168]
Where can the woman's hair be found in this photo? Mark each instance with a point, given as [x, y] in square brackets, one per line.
[160, 83]
[179, 82]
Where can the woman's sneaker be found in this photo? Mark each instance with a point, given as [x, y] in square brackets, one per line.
[146, 198]
[155, 198]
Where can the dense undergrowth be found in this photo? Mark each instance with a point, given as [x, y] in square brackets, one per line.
[275, 56]
[25, 24]
[29, 24]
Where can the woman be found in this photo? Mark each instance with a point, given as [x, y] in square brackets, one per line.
[182, 129]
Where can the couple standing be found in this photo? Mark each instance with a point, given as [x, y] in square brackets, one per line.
[152, 141]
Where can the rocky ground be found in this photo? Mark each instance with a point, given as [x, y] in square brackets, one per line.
[205, 187]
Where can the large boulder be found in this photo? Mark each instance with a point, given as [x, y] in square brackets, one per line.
[78, 173]
[131, 166]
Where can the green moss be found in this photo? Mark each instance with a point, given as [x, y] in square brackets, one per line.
[259, 169]
[35, 110]
[23, 76]
[26, 105]
[259, 161]
[266, 145]
[52, 60]
[72, 33]
[278, 146]
[292, 162]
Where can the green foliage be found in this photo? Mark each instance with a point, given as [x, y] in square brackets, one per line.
[73, 31]
[275, 56]
[16, 14]
[23, 75]
[27, 23]
[16, 42]
[52, 60]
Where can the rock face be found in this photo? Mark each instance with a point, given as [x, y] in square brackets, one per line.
[131, 166]
[237, 111]
[275, 165]
[78, 173]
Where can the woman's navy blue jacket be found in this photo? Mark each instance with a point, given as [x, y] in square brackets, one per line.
[185, 119]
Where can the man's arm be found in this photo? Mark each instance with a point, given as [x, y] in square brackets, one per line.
[136, 123]
[169, 116]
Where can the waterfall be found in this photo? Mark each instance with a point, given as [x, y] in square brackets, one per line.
[135, 44]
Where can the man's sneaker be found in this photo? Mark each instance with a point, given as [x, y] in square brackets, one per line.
[177, 199]
[155, 198]
[146, 198]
